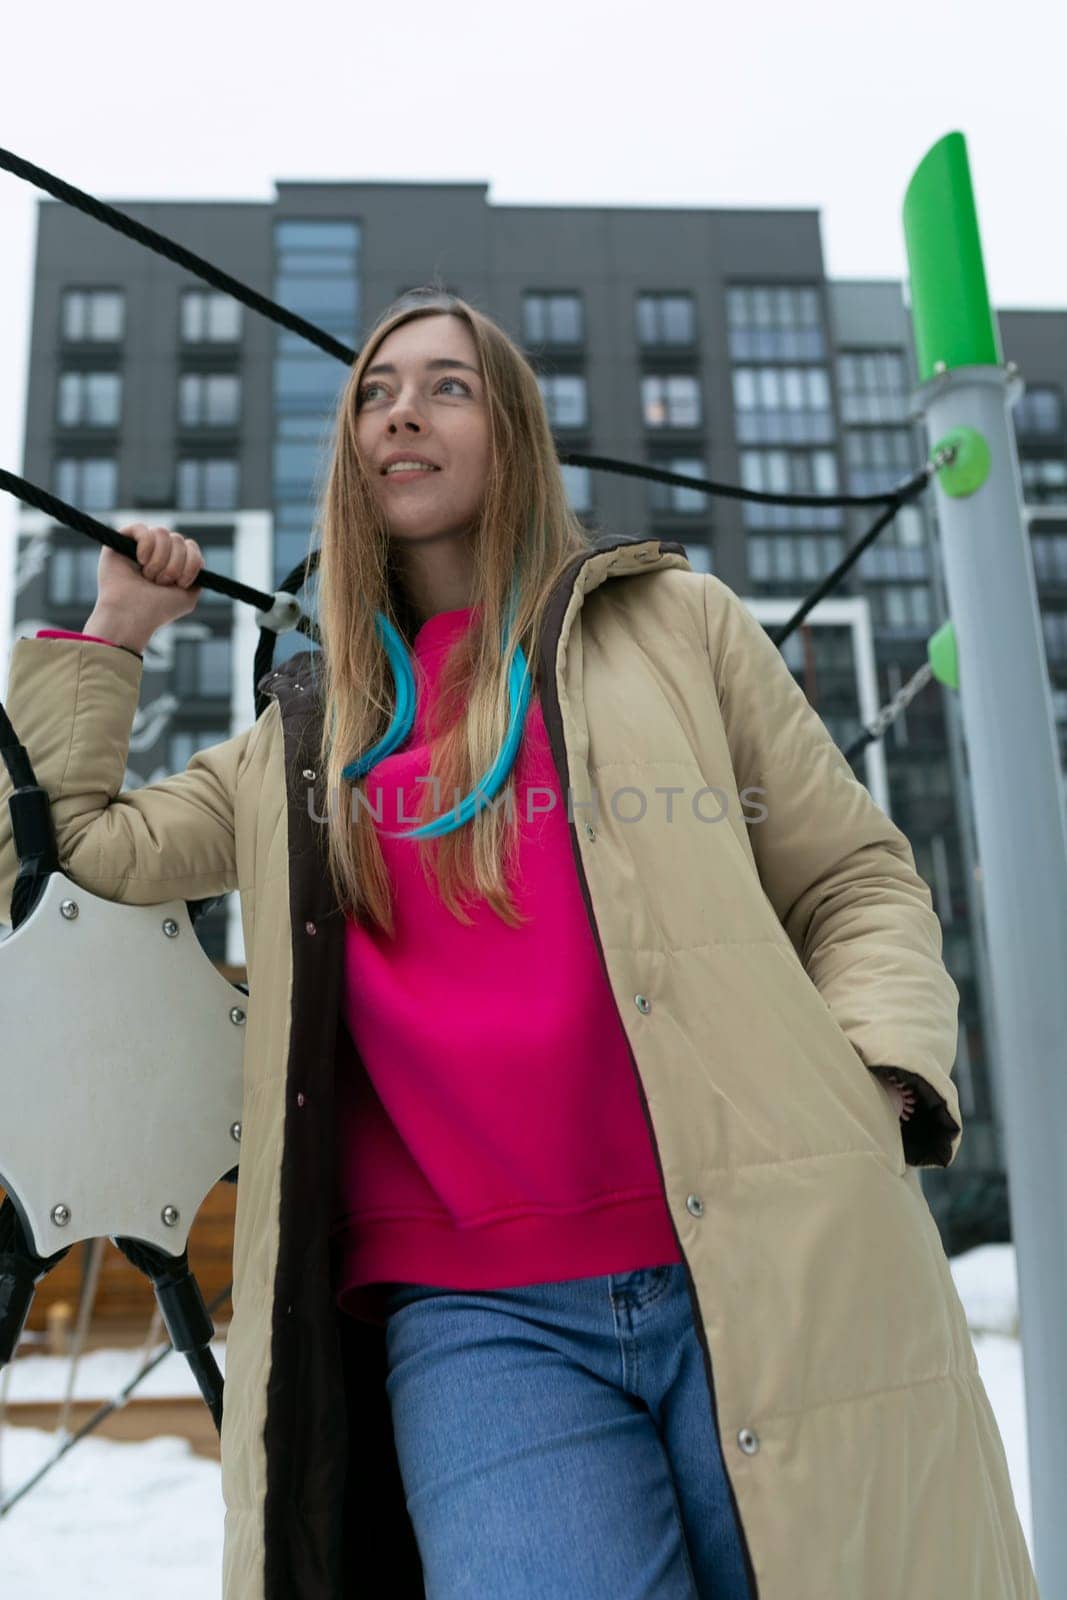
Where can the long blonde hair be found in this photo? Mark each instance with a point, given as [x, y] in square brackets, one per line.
[526, 531]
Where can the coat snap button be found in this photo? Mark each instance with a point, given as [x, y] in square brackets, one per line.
[309, 927]
[642, 1004]
[748, 1440]
[590, 831]
[308, 773]
[694, 1204]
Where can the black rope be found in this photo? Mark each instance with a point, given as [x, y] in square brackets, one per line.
[733, 491]
[15, 756]
[172, 251]
[81, 522]
[851, 556]
[177, 253]
[151, 239]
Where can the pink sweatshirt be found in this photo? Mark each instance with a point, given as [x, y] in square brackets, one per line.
[490, 1133]
[495, 1137]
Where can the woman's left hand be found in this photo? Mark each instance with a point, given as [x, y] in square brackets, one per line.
[902, 1096]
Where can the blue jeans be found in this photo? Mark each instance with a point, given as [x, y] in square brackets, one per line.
[556, 1441]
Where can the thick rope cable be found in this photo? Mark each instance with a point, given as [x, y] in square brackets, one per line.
[82, 522]
[157, 242]
[162, 246]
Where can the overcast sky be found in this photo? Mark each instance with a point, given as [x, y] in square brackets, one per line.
[829, 104]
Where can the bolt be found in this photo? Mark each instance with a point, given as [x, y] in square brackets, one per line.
[61, 1215]
[236, 1014]
[170, 1215]
[170, 928]
[235, 1132]
[68, 909]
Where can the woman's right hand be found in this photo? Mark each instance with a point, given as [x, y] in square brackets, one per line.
[136, 602]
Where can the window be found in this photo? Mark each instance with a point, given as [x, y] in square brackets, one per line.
[699, 557]
[209, 399]
[319, 297]
[90, 482]
[666, 319]
[903, 608]
[579, 486]
[202, 667]
[317, 264]
[878, 458]
[874, 386]
[1050, 557]
[316, 274]
[774, 323]
[672, 497]
[207, 483]
[93, 316]
[793, 558]
[309, 382]
[89, 399]
[881, 561]
[71, 573]
[790, 472]
[1039, 410]
[209, 317]
[670, 400]
[184, 744]
[317, 244]
[553, 319]
[300, 453]
[292, 537]
[1054, 624]
[1044, 479]
[565, 399]
[906, 531]
[790, 405]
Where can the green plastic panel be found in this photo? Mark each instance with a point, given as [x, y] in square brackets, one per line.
[951, 314]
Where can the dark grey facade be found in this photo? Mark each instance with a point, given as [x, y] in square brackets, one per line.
[710, 342]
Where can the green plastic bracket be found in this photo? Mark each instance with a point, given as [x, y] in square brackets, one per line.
[973, 460]
[951, 315]
[941, 654]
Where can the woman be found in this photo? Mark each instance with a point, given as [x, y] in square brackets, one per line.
[580, 1248]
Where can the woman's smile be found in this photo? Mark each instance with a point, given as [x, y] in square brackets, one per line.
[410, 475]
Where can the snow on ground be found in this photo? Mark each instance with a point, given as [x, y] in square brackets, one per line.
[112, 1520]
[102, 1374]
[125, 1520]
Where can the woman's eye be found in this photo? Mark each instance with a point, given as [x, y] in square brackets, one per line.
[367, 387]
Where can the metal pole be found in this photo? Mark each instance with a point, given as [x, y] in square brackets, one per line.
[969, 853]
[1006, 706]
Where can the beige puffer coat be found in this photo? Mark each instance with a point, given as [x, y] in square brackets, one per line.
[779, 955]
